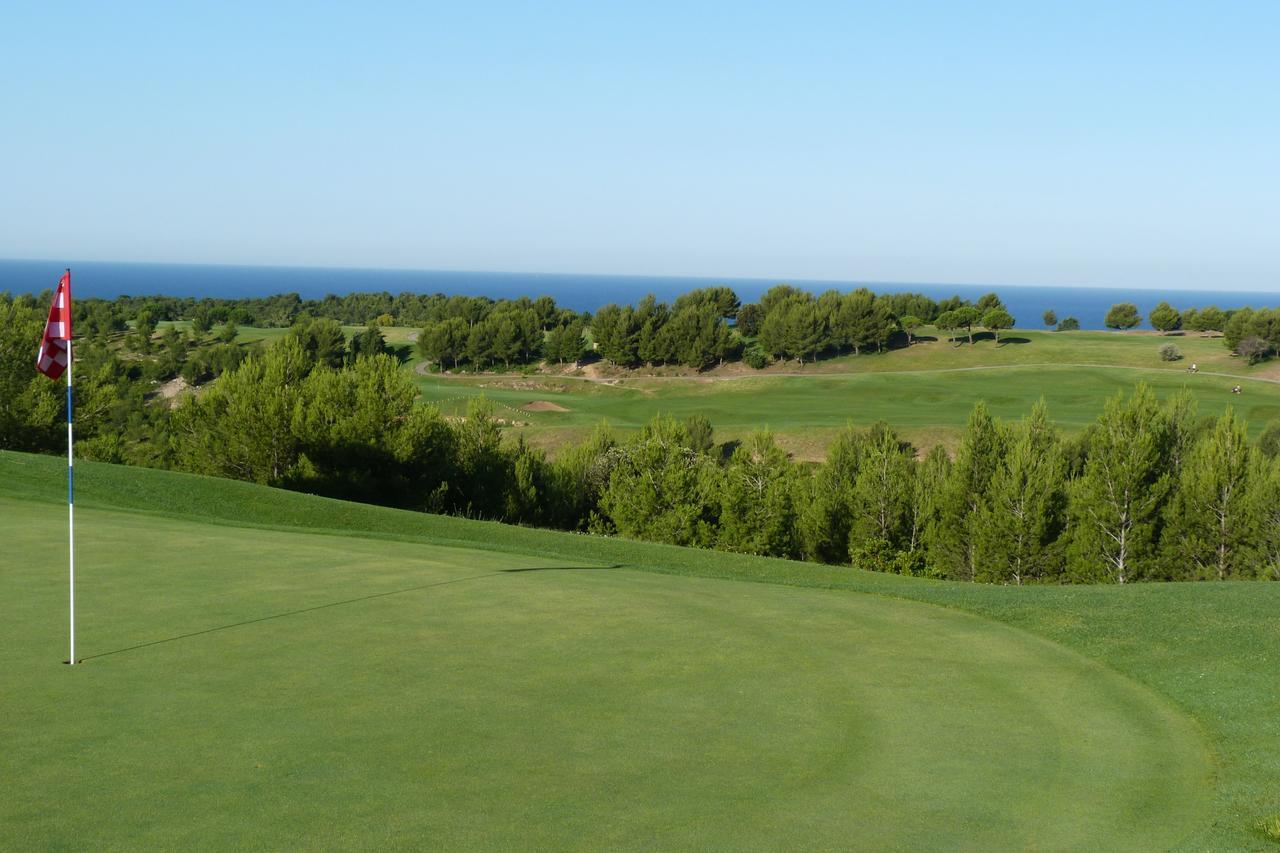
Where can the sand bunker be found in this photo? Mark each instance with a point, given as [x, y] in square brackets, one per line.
[542, 406]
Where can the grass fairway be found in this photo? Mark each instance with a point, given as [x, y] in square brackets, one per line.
[925, 391]
[252, 683]
[926, 405]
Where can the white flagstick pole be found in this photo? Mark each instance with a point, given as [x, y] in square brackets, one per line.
[71, 505]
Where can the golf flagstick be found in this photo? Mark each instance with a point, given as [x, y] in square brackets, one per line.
[53, 359]
[71, 504]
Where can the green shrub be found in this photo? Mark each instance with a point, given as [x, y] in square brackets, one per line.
[755, 357]
[1169, 352]
[872, 555]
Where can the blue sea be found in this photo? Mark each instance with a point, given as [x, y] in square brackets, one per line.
[1027, 303]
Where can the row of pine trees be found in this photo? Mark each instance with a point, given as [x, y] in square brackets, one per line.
[1150, 491]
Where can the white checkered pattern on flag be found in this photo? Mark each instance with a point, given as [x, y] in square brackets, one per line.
[52, 358]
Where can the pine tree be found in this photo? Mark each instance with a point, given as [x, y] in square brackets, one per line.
[947, 322]
[885, 325]
[1181, 429]
[926, 491]
[525, 499]
[1019, 527]
[773, 333]
[652, 345]
[806, 330]
[881, 503]
[828, 499]
[1165, 318]
[658, 489]
[578, 477]
[506, 342]
[997, 319]
[617, 334]
[243, 427]
[606, 330]
[756, 491]
[1117, 501]
[1208, 522]
[483, 464]
[966, 317]
[988, 302]
[369, 342]
[910, 323]
[855, 320]
[952, 545]
[1122, 315]
[1262, 506]
[480, 344]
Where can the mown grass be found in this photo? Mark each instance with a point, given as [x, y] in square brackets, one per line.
[1212, 649]
[926, 406]
[1020, 347]
[924, 391]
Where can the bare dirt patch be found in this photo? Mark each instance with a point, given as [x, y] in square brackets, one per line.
[170, 391]
[542, 406]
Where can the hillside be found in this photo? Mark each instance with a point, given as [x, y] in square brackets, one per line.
[291, 637]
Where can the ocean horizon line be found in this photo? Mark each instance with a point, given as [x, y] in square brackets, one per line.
[577, 291]
[679, 277]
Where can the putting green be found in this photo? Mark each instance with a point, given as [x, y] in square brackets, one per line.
[266, 689]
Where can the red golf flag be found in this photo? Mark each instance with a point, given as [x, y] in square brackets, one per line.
[52, 358]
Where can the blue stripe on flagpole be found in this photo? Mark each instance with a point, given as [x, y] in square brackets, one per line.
[70, 467]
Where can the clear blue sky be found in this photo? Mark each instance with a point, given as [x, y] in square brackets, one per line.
[1104, 143]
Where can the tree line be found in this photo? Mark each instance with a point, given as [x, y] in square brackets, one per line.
[711, 326]
[483, 334]
[1251, 333]
[1150, 491]
[700, 328]
[284, 310]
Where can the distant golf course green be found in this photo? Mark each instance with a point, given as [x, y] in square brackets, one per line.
[926, 405]
[925, 391]
[271, 670]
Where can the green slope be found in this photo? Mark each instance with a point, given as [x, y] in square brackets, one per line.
[589, 708]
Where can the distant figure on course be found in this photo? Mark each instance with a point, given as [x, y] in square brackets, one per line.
[1194, 368]
[1237, 390]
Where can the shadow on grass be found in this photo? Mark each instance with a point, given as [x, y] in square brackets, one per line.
[347, 601]
[558, 569]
